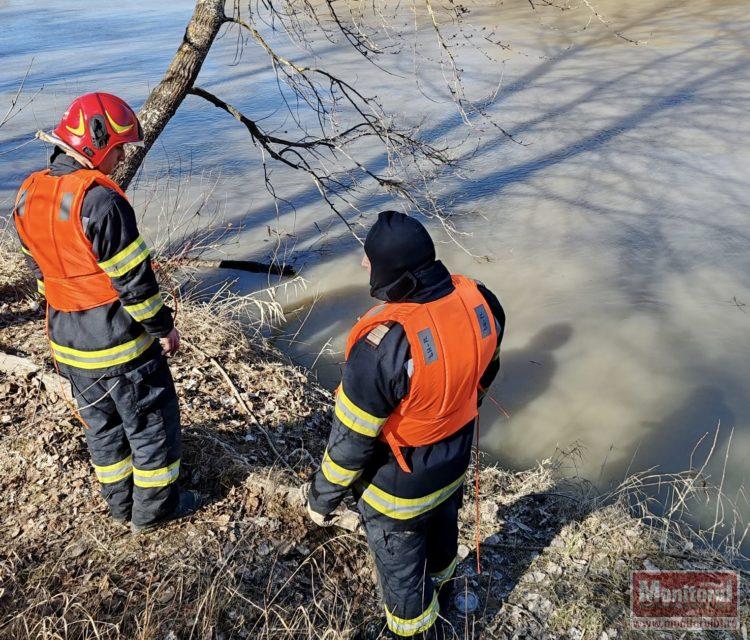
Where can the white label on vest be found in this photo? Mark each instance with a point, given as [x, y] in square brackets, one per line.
[428, 346]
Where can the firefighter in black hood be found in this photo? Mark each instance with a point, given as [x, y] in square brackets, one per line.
[416, 369]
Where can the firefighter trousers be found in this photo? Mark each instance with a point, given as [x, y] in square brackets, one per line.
[133, 435]
[415, 566]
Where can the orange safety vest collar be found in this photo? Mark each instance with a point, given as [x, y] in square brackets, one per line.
[48, 218]
[452, 339]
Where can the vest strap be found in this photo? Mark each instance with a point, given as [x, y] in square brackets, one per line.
[396, 449]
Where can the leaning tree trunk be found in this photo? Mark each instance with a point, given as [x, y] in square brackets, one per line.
[164, 100]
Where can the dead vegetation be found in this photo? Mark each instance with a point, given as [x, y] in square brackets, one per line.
[555, 558]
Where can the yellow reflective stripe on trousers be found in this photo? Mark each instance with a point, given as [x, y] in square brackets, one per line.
[102, 358]
[114, 472]
[156, 477]
[406, 508]
[25, 250]
[412, 626]
[40, 287]
[355, 418]
[446, 574]
[337, 474]
[127, 259]
[146, 309]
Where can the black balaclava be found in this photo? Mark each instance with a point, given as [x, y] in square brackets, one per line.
[397, 246]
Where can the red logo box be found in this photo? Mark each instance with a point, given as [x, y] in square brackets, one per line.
[684, 600]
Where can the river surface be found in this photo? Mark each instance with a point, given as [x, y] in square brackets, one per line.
[616, 232]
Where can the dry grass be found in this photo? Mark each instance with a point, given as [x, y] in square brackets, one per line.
[555, 556]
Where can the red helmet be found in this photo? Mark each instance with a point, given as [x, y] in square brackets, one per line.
[97, 122]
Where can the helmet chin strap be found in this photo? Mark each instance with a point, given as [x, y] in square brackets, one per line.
[51, 138]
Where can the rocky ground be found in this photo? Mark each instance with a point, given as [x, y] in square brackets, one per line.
[555, 560]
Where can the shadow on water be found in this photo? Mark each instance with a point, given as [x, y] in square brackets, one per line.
[703, 409]
[527, 372]
[315, 333]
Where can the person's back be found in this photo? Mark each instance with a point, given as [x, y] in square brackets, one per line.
[404, 417]
[107, 322]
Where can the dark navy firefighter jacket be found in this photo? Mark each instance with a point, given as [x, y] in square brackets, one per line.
[376, 379]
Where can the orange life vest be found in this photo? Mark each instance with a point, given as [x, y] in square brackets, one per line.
[48, 218]
[452, 341]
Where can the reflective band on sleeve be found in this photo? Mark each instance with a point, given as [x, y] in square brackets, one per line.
[412, 626]
[114, 472]
[156, 477]
[127, 259]
[446, 574]
[337, 474]
[355, 418]
[147, 309]
[103, 357]
[40, 287]
[25, 250]
[406, 508]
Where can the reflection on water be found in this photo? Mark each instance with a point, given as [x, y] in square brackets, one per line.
[616, 233]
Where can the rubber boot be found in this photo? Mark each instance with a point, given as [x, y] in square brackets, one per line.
[189, 503]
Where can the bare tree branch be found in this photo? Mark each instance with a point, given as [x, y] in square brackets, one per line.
[14, 108]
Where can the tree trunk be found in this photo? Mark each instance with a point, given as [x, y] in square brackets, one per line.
[163, 101]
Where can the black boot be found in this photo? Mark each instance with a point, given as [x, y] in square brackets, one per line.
[189, 503]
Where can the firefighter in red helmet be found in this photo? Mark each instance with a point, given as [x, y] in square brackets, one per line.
[108, 327]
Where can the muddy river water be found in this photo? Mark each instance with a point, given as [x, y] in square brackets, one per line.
[616, 234]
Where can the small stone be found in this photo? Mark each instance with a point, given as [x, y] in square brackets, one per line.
[463, 551]
[165, 595]
[537, 577]
[557, 543]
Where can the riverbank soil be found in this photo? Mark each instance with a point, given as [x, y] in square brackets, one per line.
[555, 560]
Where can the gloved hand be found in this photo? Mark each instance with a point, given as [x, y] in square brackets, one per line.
[320, 519]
